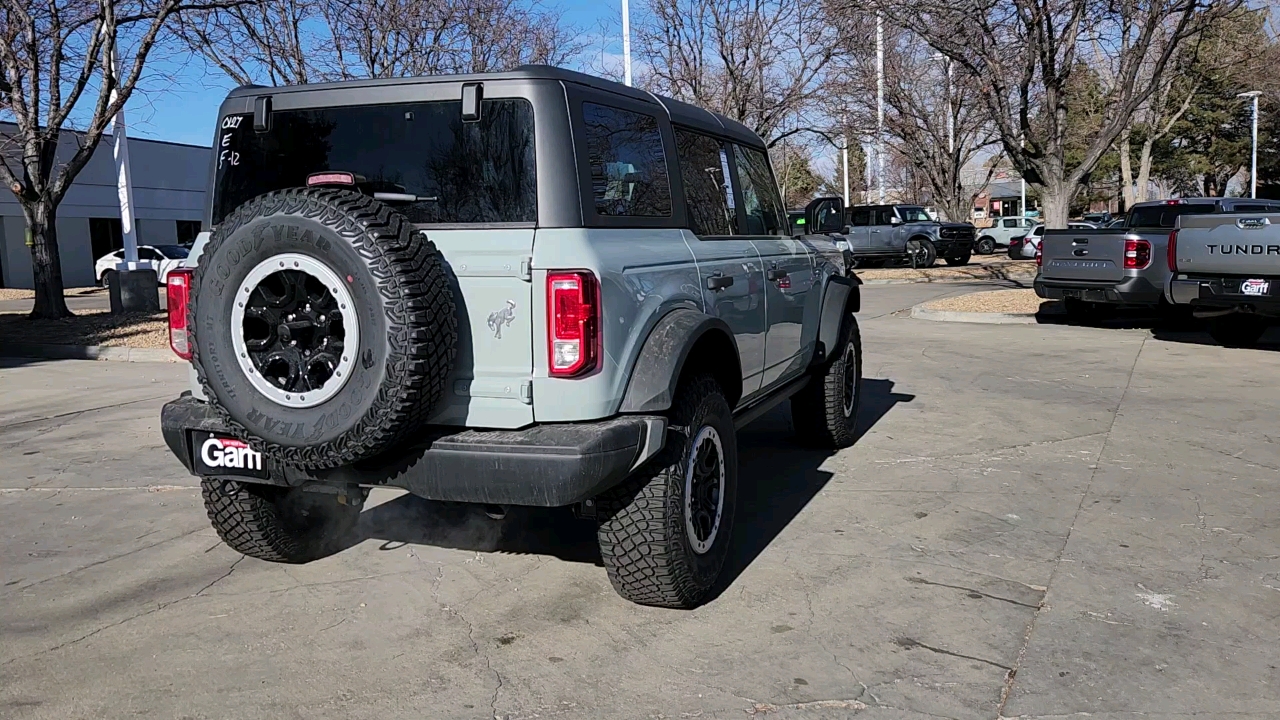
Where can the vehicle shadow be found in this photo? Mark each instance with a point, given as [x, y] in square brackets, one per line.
[1167, 328]
[778, 476]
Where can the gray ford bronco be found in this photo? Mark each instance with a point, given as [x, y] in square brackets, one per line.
[530, 288]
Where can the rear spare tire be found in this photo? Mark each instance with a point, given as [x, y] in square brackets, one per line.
[324, 326]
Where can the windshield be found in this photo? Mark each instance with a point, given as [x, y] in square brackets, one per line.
[174, 252]
[913, 214]
[439, 169]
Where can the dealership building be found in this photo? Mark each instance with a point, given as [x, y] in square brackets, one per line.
[169, 183]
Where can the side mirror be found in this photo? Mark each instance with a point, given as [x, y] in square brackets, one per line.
[824, 215]
[895, 220]
[847, 229]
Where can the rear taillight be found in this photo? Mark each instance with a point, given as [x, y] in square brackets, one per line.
[1171, 253]
[1137, 254]
[573, 322]
[1039, 256]
[178, 294]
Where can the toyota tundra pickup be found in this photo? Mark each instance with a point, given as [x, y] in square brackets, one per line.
[1098, 271]
[1227, 269]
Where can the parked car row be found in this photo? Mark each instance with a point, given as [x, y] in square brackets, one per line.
[1221, 261]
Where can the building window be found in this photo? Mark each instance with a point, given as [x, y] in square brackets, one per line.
[105, 235]
[187, 231]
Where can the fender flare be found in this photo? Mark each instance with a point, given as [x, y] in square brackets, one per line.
[843, 297]
[652, 385]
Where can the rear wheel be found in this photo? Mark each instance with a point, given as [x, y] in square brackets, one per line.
[285, 525]
[986, 245]
[664, 533]
[825, 412]
[1237, 331]
[960, 259]
[109, 278]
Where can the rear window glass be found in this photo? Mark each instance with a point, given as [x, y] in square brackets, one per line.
[1166, 216]
[704, 171]
[442, 169]
[628, 164]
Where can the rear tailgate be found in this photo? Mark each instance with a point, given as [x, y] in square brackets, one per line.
[1083, 255]
[1237, 244]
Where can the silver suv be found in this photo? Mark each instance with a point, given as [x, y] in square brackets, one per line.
[530, 288]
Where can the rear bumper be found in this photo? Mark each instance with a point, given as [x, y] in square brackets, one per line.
[1223, 293]
[1129, 291]
[544, 465]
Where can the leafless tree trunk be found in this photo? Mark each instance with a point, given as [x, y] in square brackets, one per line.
[1024, 55]
[56, 57]
[287, 42]
[760, 62]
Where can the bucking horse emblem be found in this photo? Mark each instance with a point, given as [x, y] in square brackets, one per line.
[500, 318]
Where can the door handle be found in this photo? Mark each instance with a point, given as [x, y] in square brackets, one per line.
[719, 282]
[776, 274]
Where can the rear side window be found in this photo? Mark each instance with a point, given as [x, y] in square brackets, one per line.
[450, 171]
[1166, 216]
[704, 169]
[760, 199]
[861, 217]
[884, 216]
[628, 164]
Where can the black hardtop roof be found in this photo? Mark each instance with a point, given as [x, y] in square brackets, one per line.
[678, 112]
[1189, 201]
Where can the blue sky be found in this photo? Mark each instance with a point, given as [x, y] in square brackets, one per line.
[179, 98]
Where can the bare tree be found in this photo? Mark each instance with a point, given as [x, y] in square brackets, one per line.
[1025, 55]
[935, 120]
[286, 42]
[760, 62]
[58, 58]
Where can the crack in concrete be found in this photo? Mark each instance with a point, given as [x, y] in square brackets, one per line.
[118, 623]
[1011, 601]
[1007, 690]
[909, 643]
[71, 414]
[107, 560]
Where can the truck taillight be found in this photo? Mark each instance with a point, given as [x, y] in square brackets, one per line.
[1137, 254]
[178, 294]
[1040, 255]
[573, 322]
[1171, 253]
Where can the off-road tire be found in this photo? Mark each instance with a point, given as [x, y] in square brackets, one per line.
[644, 540]
[960, 259]
[404, 305]
[820, 412]
[1237, 330]
[284, 525]
[986, 245]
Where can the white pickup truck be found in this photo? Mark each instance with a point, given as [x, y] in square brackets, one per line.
[1227, 268]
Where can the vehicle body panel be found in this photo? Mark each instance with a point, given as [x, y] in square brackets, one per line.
[1228, 262]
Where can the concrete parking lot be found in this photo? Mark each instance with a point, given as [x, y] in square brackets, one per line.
[1038, 521]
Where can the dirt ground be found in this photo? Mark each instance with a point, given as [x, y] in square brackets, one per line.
[989, 267]
[135, 330]
[1018, 301]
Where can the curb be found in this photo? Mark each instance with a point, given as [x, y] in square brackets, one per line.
[920, 312]
[45, 351]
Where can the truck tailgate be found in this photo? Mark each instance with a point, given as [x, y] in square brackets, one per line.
[1237, 244]
[1083, 255]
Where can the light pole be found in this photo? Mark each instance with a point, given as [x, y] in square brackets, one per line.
[880, 105]
[1253, 169]
[626, 43]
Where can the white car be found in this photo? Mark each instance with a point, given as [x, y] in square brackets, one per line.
[162, 257]
[1025, 248]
